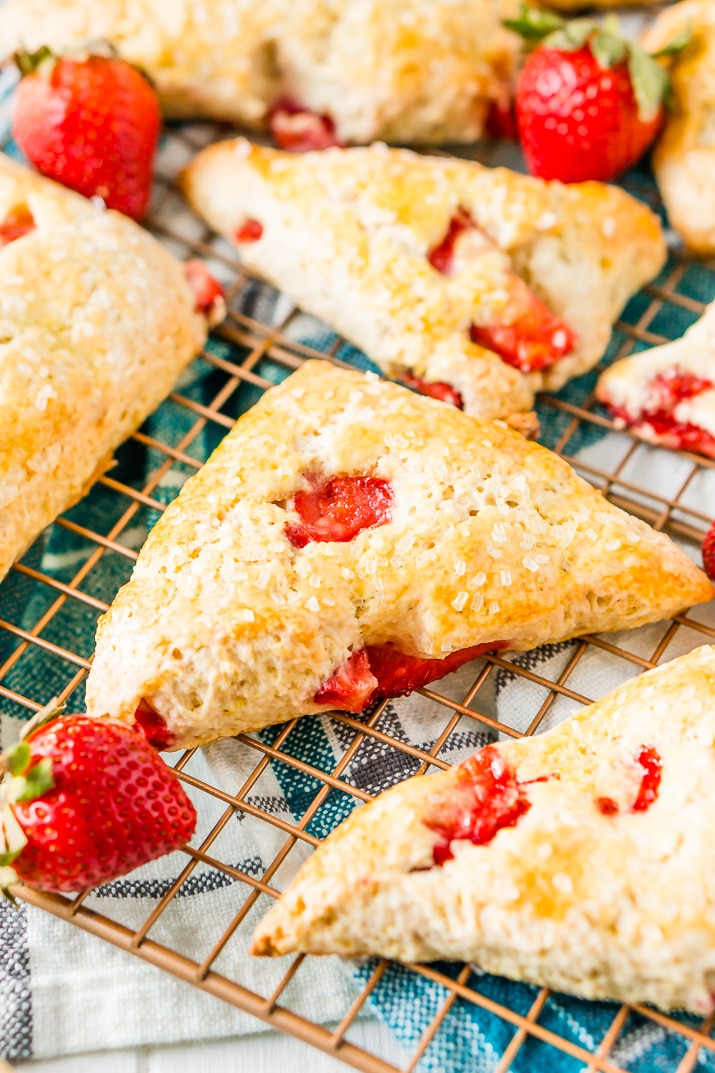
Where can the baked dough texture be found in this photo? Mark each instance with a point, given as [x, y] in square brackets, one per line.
[677, 379]
[346, 233]
[684, 157]
[406, 70]
[575, 897]
[97, 321]
[225, 626]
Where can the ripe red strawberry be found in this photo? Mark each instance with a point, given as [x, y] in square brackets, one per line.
[92, 123]
[86, 800]
[709, 552]
[588, 103]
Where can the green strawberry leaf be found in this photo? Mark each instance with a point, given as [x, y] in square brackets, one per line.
[8, 858]
[18, 758]
[572, 36]
[651, 84]
[533, 24]
[608, 49]
[8, 876]
[37, 781]
[45, 715]
[28, 62]
[677, 44]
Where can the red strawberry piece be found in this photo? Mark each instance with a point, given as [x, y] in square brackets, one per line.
[153, 727]
[709, 552]
[16, 224]
[435, 389]
[249, 231]
[90, 122]
[607, 806]
[588, 103]
[484, 798]
[649, 760]
[384, 671]
[297, 129]
[657, 417]
[501, 120]
[534, 340]
[338, 508]
[208, 291]
[441, 256]
[88, 800]
[399, 673]
[351, 687]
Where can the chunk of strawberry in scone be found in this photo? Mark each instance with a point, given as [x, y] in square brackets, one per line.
[384, 671]
[649, 760]
[351, 687]
[398, 673]
[657, 421]
[484, 798]
[208, 291]
[441, 256]
[16, 223]
[297, 129]
[250, 231]
[535, 338]
[435, 389]
[153, 726]
[338, 508]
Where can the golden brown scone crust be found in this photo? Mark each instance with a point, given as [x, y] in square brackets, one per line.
[405, 70]
[684, 157]
[225, 626]
[604, 906]
[96, 323]
[346, 233]
[628, 384]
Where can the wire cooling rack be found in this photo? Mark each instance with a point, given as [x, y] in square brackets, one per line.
[248, 355]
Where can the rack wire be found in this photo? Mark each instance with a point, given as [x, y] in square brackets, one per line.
[251, 354]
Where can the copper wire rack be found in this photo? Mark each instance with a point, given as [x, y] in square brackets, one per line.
[238, 370]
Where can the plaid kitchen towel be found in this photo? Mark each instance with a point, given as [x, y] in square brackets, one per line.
[62, 991]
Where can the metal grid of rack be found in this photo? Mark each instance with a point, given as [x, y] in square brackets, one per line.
[250, 356]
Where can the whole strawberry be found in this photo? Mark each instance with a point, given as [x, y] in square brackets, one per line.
[92, 123]
[709, 552]
[588, 103]
[85, 800]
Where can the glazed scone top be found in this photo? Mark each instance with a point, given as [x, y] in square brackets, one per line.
[422, 70]
[70, 349]
[97, 320]
[605, 902]
[226, 626]
[347, 234]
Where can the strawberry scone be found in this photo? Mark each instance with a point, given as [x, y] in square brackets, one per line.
[317, 72]
[666, 395]
[351, 540]
[476, 285]
[577, 860]
[98, 320]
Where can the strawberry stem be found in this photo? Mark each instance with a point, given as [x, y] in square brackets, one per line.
[28, 62]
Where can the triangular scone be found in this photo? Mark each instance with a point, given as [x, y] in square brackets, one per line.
[666, 395]
[684, 157]
[409, 256]
[580, 859]
[350, 539]
[97, 320]
[406, 70]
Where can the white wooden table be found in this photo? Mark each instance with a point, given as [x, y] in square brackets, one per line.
[263, 1053]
